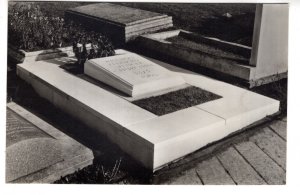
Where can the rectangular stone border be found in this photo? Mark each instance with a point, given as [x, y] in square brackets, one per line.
[252, 74]
[154, 141]
[157, 40]
[119, 32]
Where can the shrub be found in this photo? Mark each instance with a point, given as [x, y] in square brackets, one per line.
[88, 44]
[30, 29]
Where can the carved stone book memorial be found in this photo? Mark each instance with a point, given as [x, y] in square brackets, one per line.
[132, 74]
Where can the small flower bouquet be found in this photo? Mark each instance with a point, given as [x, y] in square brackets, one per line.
[89, 45]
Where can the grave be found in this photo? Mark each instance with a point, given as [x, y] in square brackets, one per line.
[266, 61]
[152, 140]
[120, 23]
[132, 74]
[36, 152]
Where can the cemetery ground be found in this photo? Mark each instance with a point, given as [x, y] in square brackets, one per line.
[255, 155]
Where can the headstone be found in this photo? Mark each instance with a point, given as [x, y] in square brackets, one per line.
[132, 74]
[121, 23]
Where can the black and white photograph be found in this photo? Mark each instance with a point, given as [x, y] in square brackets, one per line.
[147, 93]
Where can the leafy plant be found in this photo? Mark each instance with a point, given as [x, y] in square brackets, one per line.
[92, 174]
[89, 44]
[31, 29]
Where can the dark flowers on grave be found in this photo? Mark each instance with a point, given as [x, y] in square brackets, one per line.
[91, 46]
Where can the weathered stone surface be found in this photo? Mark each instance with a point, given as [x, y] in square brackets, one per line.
[132, 74]
[17, 129]
[28, 148]
[265, 166]
[280, 128]
[188, 177]
[272, 145]
[26, 157]
[38, 152]
[213, 173]
[239, 169]
[116, 13]
[119, 22]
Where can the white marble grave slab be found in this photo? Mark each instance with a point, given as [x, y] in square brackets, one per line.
[132, 74]
[152, 140]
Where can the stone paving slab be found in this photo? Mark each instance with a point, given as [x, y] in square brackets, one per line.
[280, 128]
[189, 177]
[241, 172]
[273, 145]
[262, 163]
[213, 173]
[39, 153]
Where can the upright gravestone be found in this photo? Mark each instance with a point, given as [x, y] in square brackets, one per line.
[120, 23]
[132, 74]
